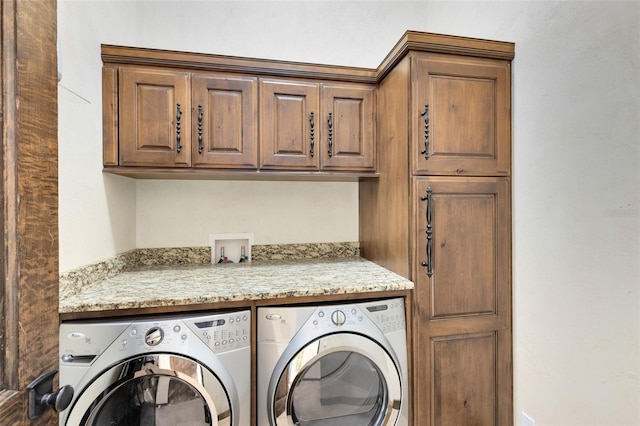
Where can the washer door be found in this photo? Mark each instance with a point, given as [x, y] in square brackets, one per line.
[155, 389]
[339, 379]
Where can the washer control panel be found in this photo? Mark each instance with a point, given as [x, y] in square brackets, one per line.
[223, 332]
[81, 342]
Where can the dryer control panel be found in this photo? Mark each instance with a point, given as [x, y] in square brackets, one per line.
[388, 315]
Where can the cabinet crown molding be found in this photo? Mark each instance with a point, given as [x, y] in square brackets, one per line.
[410, 41]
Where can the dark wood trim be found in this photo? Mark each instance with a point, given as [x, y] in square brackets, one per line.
[218, 174]
[30, 203]
[157, 310]
[9, 192]
[408, 305]
[110, 115]
[10, 407]
[233, 305]
[123, 55]
[334, 298]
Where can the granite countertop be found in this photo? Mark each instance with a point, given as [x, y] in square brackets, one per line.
[161, 286]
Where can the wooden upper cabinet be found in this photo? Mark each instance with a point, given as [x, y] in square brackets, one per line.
[288, 125]
[461, 108]
[317, 126]
[166, 110]
[154, 118]
[348, 131]
[225, 121]
[170, 112]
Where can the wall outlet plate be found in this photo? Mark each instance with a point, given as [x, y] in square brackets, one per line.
[527, 421]
[230, 246]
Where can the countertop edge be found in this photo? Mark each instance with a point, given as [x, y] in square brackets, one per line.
[195, 286]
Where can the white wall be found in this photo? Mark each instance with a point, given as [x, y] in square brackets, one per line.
[576, 112]
[276, 212]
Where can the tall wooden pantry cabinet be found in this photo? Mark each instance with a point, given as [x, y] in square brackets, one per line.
[440, 214]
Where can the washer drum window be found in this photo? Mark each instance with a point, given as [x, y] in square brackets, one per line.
[156, 389]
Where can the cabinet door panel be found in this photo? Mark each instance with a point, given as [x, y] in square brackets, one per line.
[155, 118]
[468, 252]
[450, 107]
[464, 236]
[464, 380]
[462, 375]
[348, 141]
[225, 127]
[288, 125]
[461, 110]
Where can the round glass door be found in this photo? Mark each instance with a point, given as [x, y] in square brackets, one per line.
[338, 380]
[154, 390]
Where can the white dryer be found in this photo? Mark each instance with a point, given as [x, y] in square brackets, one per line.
[171, 370]
[340, 364]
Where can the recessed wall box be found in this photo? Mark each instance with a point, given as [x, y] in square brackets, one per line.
[226, 248]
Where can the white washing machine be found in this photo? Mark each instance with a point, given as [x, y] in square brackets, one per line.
[171, 370]
[340, 364]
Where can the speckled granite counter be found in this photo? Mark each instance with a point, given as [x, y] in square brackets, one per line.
[161, 286]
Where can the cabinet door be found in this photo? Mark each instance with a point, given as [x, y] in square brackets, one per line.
[289, 125]
[462, 300]
[225, 124]
[460, 116]
[348, 137]
[155, 118]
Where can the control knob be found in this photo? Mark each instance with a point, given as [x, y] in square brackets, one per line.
[154, 336]
[338, 317]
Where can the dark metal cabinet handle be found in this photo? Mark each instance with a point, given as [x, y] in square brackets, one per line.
[199, 129]
[313, 135]
[41, 395]
[330, 123]
[178, 117]
[429, 264]
[425, 114]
